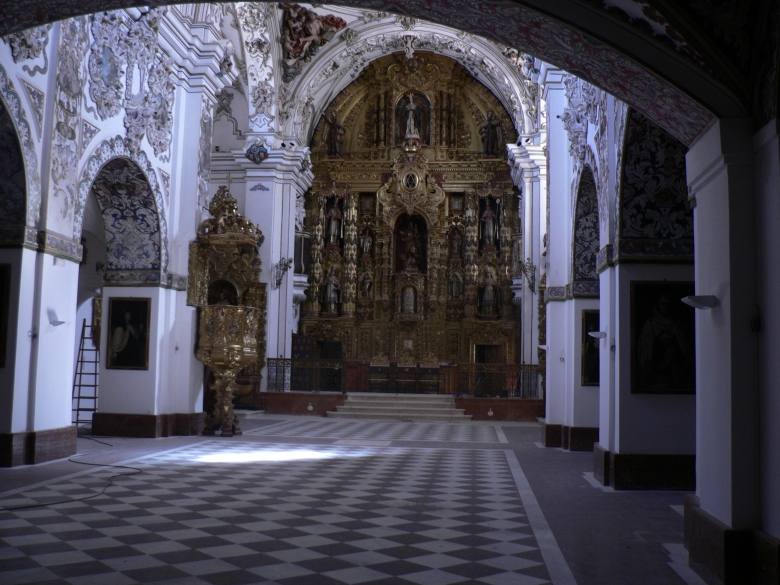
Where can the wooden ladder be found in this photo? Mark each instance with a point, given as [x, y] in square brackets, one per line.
[86, 379]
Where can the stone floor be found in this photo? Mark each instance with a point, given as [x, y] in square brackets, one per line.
[299, 500]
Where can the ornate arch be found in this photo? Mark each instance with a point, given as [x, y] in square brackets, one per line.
[585, 240]
[340, 62]
[114, 149]
[13, 105]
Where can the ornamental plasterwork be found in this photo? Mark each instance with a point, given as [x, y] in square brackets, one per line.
[36, 97]
[586, 229]
[254, 19]
[29, 44]
[107, 63]
[106, 151]
[120, 48]
[204, 152]
[88, 132]
[330, 71]
[13, 104]
[68, 100]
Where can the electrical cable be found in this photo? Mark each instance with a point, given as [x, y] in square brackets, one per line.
[72, 459]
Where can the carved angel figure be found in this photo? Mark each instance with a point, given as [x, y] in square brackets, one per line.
[413, 116]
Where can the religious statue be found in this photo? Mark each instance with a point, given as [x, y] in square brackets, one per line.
[489, 293]
[407, 300]
[491, 136]
[333, 228]
[457, 242]
[366, 241]
[336, 132]
[303, 33]
[410, 248]
[332, 288]
[366, 284]
[456, 287]
[413, 116]
[488, 220]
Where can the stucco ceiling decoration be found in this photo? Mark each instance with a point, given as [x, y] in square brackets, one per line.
[507, 22]
[342, 60]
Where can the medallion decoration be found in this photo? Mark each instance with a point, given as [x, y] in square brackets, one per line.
[411, 189]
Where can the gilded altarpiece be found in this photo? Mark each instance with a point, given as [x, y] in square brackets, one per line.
[224, 269]
[412, 214]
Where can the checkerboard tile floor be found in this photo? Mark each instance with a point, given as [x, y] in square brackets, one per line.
[242, 512]
[380, 431]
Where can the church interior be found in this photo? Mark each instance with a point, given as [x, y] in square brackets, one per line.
[440, 292]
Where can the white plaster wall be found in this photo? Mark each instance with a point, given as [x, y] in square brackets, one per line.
[15, 376]
[582, 402]
[132, 391]
[607, 363]
[557, 334]
[767, 181]
[648, 423]
[53, 364]
[720, 174]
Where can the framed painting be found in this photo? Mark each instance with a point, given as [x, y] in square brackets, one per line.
[662, 338]
[128, 333]
[5, 309]
[589, 367]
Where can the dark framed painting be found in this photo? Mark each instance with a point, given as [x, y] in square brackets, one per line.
[662, 338]
[5, 309]
[128, 333]
[589, 367]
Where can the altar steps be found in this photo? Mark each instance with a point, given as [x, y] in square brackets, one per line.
[430, 407]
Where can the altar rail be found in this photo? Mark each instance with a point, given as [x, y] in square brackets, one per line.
[502, 380]
[482, 380]
[305, 375]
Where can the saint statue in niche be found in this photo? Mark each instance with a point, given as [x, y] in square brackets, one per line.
[456, 287]
[457, 243]
[366, 284]
[407, 300]
[336, 132]
[489, 293]
[413, 118]
[491, 136]
[488, 224]
[332, 288]
[410, 247]
[366, 241]
[412, 112]
[333, 228]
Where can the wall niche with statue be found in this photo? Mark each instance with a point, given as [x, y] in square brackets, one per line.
[412, 217]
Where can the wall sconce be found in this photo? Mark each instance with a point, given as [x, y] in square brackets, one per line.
[701, 301]
[597, 334]
[281, 269]
[53, 320]
[528, 268]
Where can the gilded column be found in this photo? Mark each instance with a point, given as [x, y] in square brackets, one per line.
[349, 286]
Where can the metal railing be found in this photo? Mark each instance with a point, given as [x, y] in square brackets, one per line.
[304, 375]
[502, 380]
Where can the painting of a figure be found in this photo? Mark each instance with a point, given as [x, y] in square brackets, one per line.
[590, 349]
[662, 338]
[128, 333]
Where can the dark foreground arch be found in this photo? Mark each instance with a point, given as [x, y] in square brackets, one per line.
[667, 67]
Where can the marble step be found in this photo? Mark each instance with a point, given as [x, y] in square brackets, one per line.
[348, 407]
[405, 416]
[402, 403]
[383, 397]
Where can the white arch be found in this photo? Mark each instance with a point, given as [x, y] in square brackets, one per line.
[104, 152]
[13, 104]
[342, 60]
